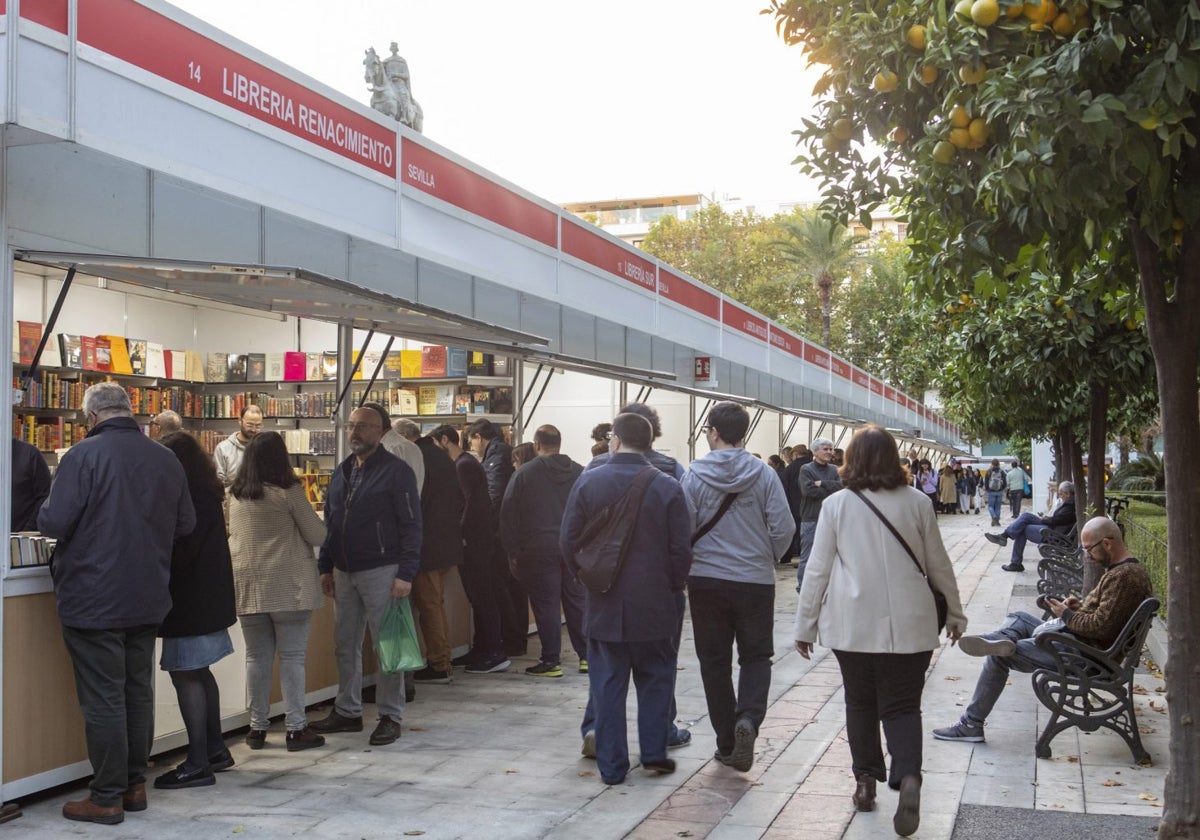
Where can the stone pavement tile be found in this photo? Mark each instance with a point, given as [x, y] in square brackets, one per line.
[759, 807]
[733, 831]
[1016, 791]
[813, 814]
[661, 828]
[1141, 808]
[986, 762]
[825, 780]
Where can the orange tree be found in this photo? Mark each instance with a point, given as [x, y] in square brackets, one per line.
[1025, 139]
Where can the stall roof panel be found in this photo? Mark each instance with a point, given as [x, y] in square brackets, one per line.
[296, 292]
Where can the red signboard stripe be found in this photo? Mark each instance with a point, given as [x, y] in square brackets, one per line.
[49, 13]
[429, 172]
[786, 342]
[589, 245]
[815, 355]
[840, 368]
[678, 290]
[168, 49]
[743, 320]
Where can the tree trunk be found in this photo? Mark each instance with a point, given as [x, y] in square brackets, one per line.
[825, 291]
[1174, 328]
[1123, 449]
[1073, 455]
[1097, 446]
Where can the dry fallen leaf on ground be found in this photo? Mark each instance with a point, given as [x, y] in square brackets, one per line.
[1146, 730]
[953, 679]
[416, 832]
[511, 771]
[1139, 689]
[1073, 759]
[1113, 783]
[1149, 797]
[1161, 689]
[1161, 708]
[416, 729]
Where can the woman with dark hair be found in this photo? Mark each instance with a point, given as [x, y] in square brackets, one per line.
[600, 433]
[865, 596]
[195, 632]
[522, 454]
[272, 533]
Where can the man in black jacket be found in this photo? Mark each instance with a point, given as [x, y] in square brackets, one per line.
[371, 555]
[496, 456]
[30, 485]
[117, 503]
[530, 516]
[1029, 527]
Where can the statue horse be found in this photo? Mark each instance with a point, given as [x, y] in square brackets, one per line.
[390, 96]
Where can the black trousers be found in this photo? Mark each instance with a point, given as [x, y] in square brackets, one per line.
[884, 687]
[725, 613]
[114, 680]
[512, 602]
[479, 583]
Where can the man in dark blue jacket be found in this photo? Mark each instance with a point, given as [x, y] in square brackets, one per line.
[530, 517]
[371, 555]
[117, 504]
[631, 627]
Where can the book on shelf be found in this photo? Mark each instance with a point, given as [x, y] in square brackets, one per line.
[87, 352]
[462, 400]
[329, 365]
[103, 355]
[295, 366]
[427, 399]
[392, 365]
[456, 361]
[404, 401]
[370, 361]
[194, 366]
[274, 372]
[313, 367]
[501, 366]
[481, 401]
[29, 335]
[118, 354]
[217, 369]
[136, 349]
[502, 400]
[156, 360]
[236, 366]
[410, 364]
[433, 361]
[71, 351]
[256, 367]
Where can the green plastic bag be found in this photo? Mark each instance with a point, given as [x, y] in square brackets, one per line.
[397, 647]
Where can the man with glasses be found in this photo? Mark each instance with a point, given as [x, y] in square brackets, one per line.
[1029, 527]
[818, 481]
[371, 555]
[229, 452]
[1097, 620]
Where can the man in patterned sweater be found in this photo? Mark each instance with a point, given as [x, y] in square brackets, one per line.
[1098, 620]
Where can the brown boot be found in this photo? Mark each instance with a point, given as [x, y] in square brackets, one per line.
[864, 794]
[134, 797]
[85, 810]
[908, 809]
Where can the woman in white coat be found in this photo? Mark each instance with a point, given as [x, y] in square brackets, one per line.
[864, 597]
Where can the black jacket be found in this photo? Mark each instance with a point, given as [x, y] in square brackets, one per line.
[201, 573]
[497, 465]
[479, 537]
[117, 504]
[532, 511]
[441, 510]
[1062, 518]
[380, 526]
[30, 485]
[791, 486]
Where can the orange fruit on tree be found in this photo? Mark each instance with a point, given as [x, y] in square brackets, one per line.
[830, 143]
[985, 12]
[842, 129]
[885, 81]
[899, 134]
[916, 37]
[1063, 25]
[979, 130]
[929, 74]
[960, 137]
[1014, 11]
[944, 152]
[973, 73]
[962, 10]
[959, 118]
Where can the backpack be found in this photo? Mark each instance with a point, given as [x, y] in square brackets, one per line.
[604, 541]
[996, 481]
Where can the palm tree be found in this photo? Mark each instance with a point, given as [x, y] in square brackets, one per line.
[822, 251]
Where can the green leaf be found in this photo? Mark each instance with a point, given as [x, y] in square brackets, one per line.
[1094, 113]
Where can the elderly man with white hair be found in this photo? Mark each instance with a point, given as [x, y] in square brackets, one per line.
[818, 480]
[1029, 527]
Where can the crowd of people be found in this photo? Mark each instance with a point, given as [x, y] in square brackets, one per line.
[206, 543]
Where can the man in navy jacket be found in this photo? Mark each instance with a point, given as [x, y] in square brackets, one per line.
[371, 555]
[630, 628]
[117, 504]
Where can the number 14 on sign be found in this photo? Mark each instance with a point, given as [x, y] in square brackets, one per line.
[193, 71]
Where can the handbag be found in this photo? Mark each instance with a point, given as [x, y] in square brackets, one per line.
[397, 648]
[939, 600]
[604, 541]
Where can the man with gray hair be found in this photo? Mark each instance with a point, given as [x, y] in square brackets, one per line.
[117, 504]
[818, 481]
[1029, 527]
[168, 421]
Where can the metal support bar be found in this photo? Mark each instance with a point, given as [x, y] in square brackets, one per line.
[841, 437]
[350, 374]
[526, 415]
[644, 393]
[820, 430]
[518, 418]
[698, 421]
[786, 436]
[378, 367]
[754, 423]
[27, 376]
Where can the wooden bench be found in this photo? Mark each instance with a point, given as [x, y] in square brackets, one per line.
[1092, 688]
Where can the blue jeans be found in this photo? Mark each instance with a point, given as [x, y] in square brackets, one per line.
[807, 531]
[652, 665]
[1025, 528]
[995, 502]
[1027, 658]
[554, 592]
[284, 632]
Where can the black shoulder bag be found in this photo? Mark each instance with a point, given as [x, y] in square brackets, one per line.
[716, 517]
[939, 600]
[604, 541]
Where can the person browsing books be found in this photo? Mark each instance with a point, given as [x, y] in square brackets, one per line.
[229, 452]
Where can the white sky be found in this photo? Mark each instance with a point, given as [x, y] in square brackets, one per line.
[571, 100]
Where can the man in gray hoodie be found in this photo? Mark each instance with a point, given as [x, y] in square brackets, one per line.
[742, 526]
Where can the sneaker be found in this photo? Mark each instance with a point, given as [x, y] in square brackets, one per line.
[304, 739]
[386, 732]
[583, 666]
[983, 646]
[681, 738]
[335, 722]
[742, 756]
[463, 661]
[545, 669]
[1013, 567]
[429, 674]
[995, 523]
[589, 745]
[256, 739]
[493, 665]
[181, 777]
[662, 767]
[998, 539]
[961, 731]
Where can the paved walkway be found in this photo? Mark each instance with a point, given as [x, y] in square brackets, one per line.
[498, 757]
